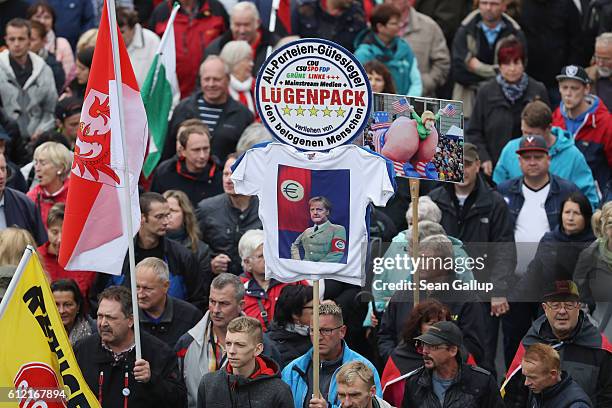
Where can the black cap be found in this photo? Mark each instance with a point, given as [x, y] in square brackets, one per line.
[443, 332]
[561, 290]
[67, 107]
[531, 143]
[575, 72]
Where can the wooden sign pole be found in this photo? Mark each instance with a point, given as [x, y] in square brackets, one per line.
[315, 339]
[414, 198]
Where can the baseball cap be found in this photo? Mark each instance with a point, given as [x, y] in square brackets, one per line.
[4, 134]
[574, 72]
[562, 289]
[443, 332]
[67, 107]
[531, 143]
[470, 152]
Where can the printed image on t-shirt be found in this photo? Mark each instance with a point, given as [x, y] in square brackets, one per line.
[313, 214]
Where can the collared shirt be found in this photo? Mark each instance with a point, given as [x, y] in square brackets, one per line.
[491, 33]
[2, 214]
[22, 72]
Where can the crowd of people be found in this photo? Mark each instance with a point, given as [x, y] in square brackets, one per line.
[534, 209]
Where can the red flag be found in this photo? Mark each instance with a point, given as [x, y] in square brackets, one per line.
[94, 235]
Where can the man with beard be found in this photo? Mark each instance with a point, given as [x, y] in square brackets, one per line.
[444, 381]
[600, 71]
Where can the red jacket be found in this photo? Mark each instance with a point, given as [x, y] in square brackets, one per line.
[192, 34]
[594, 139]
[254, 294]
[44, 201]
[55, 271]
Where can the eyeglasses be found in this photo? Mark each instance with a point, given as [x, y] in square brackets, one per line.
[421, 345]
[324, 331]
[566, 305]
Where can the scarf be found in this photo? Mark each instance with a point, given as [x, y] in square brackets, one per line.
[513, 92]
[605, 253]
[242, 91]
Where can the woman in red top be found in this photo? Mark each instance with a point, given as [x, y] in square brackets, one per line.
[52, 163]
[260, 294]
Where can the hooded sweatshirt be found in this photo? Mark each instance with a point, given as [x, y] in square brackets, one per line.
[592, 135]
[262, 389]
[585, 355]
[566, 161]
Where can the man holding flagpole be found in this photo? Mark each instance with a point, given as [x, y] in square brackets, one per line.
[107, 360]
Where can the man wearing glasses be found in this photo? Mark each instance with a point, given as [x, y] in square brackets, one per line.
[444, 378]
[333, 353]
[585, 353]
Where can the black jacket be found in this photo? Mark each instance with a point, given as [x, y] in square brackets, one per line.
[178, 317]
[474, 387]
[310, 20]
[290, 345]
[495, 121]
[268, 39]
[181, 262]
[593, 275]
[232, 122]
[172, 174]
[485, 227]
[466, 312]
[164, 390]
[554, 260]
[20, 211]
[222, 226]
[554, 38]
[564, 394]
[585, 355]
[263, 389]
[470, 41]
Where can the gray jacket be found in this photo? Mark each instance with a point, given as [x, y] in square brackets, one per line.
[33, 106]
[429, 46]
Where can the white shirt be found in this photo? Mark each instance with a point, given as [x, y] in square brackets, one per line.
[285, 179]
[531, 225]
[2, 214]
[142, 52]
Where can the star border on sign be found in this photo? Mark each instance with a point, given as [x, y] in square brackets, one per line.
[286, 111]
[327, 111]
[313, 111]
[300, 111]
[340, 112]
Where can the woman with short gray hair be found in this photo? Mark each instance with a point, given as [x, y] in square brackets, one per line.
[238, 56]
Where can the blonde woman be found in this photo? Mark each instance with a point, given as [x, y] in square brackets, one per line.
[13, 242]
[52, 164]
[593, 273]
[183, 227]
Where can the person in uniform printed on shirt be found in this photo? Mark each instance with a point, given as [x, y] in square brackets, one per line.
[323, 242]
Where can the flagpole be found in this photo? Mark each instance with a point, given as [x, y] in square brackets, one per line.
[27, 254]
[126, 174]
[272, 26]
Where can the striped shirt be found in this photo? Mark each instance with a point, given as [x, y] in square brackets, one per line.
[209, 114]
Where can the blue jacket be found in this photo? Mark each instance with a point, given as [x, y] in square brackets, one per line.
[560, 188]
[20, 211]
[566, 161]
[296, 375]
[398, 57]
[72, 18]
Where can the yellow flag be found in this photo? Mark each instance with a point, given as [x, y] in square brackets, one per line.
[37, 365]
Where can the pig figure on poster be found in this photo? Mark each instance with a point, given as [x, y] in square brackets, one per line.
[412, 142]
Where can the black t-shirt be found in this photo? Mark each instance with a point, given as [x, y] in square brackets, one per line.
[22, 72]
[155, 252]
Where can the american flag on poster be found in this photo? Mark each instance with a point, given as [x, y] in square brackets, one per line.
[449, 110]
[400, 105]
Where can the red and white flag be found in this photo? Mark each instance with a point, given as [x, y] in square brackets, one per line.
[94, 235]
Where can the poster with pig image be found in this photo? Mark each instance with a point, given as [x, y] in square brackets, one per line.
[423, 137]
